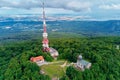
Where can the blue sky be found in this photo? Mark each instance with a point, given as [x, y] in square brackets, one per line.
[94, 9]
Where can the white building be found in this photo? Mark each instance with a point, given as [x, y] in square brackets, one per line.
[117, 47]
[54, 53]
[82, 64]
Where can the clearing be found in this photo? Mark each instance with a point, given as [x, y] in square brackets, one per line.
[55, 69]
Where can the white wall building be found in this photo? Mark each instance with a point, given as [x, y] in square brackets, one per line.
[54, 53]
[82, 64]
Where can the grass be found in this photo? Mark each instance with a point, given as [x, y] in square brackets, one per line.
[54, 69]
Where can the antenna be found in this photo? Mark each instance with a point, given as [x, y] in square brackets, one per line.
[45, 39]
[44, 21]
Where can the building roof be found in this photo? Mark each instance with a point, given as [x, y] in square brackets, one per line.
[38, 58]
[53, 52]
[83, 62]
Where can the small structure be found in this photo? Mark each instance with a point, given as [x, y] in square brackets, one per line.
[54, 53]
[82, 64]
[117, 47]
[42, 71]
[36, 59]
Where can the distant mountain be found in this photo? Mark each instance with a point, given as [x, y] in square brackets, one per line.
[92, 28]
[38, 17]
[84, 28]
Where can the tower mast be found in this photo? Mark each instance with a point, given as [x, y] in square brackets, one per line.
[45, 41]
[44, 21]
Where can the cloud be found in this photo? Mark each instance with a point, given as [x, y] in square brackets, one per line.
[74, 5]
[112, 6]
[27, 4]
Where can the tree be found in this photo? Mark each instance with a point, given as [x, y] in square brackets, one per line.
[13, 71]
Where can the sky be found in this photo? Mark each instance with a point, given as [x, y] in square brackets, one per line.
[94, 9]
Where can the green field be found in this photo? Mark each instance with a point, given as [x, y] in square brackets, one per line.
[54, 69]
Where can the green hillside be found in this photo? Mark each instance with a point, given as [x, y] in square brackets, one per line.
[100, 51]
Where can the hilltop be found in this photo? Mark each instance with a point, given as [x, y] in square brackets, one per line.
[101, 52]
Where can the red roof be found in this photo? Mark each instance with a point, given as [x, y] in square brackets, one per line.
[35, 59]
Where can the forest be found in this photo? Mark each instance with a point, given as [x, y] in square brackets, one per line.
[100, 51]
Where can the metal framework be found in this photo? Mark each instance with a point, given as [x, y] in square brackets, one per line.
[45, 41]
